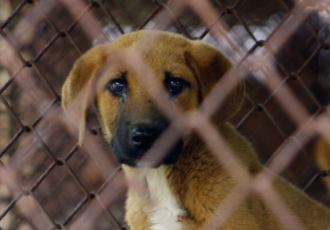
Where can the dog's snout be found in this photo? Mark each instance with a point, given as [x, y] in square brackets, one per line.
[143, 136]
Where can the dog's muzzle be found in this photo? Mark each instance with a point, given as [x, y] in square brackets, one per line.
[143, 136]
[131, 142]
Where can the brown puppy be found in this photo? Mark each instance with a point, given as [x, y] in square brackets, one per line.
[190, 182]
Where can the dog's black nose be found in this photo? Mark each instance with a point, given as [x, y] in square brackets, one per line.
[143, 136]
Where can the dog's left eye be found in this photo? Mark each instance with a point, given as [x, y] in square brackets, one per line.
[175, 85]
[117, 86]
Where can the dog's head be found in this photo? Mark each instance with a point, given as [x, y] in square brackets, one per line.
[130, 119]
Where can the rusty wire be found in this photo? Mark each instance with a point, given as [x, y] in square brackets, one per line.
[94, 203]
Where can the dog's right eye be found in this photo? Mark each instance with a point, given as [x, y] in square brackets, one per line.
[117, 86]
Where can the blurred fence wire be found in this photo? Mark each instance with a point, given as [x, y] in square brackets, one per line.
[49, 181]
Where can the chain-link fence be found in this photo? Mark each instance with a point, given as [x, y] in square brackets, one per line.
[280, 48]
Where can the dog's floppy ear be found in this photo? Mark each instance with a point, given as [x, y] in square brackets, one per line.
[76, 92]
[209, 65]
[82, 71]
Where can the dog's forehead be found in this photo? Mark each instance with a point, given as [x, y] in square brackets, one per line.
[159, 51]
[154, 46]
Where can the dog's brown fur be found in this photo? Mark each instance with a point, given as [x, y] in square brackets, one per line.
[322, 156]
[197, 183]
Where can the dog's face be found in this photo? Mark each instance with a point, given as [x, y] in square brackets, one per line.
[130, 119]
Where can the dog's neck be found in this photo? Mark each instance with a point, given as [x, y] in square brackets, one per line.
[166, 209]
[161, 205]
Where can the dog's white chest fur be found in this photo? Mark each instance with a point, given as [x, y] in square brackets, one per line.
[166, 209]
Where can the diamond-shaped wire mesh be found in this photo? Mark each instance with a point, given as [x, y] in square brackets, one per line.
[49, 181]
